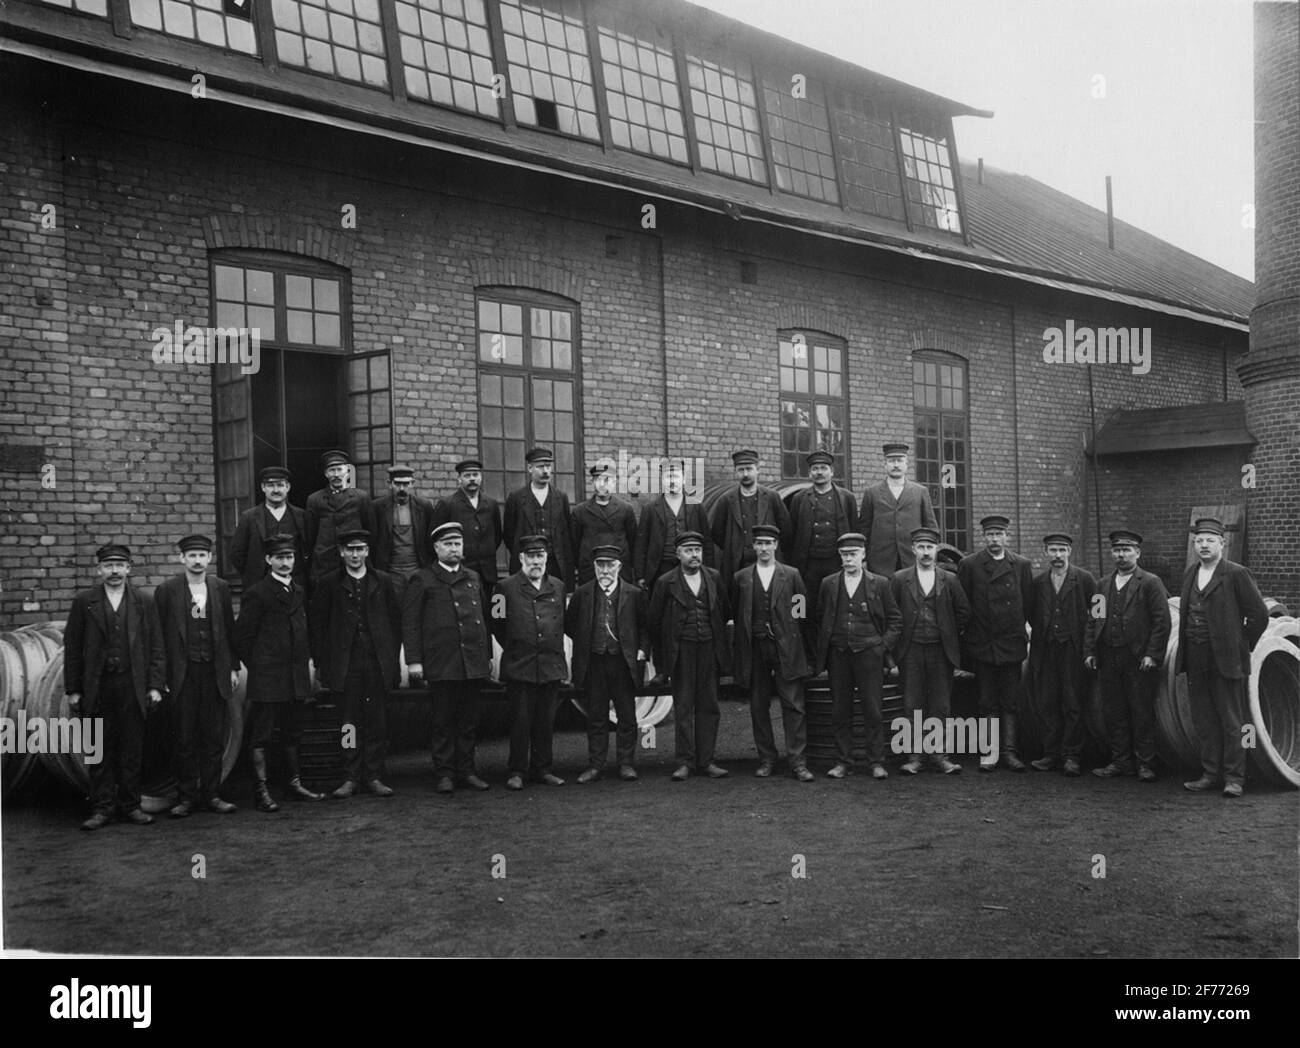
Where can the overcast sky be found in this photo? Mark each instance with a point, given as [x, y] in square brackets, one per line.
[1174, 129]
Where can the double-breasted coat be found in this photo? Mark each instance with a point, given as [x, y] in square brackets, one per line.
[480, 527]
[444, 624]
[173, 601]
[530, 629]
[1001, 595]
[271, 638]
[85, 646]
[630, 614]
[592, 525]
[331, 638]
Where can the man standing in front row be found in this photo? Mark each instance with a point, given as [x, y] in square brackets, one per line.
[607, 621]
[198, 625]
[527, 619]
[860, 624]
[114, 669]
[1126, 642]
[445, 633]
[479, 517]
[356, 631]
[819, 516]
[688, 615]
[1223, 616]
[891, 511]
[1062, 603]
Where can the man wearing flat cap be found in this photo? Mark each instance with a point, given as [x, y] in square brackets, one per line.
[539, 508]
[403, 520]
[1062, 602]
[891, 510]
[356, 631]
[688, 614]
[603, 520]
[935, 613]
[198, 624]
[527, 619]
[1127, 634]
[1000, 587]
[115, 669]
[449, 647]
[1223, 616]
[607, 621]
[859, 626]
[331, 511]
[819, 515]
[738, 511]
[272, 517]
[479, 517]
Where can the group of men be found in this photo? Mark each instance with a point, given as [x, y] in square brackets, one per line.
[828, 586]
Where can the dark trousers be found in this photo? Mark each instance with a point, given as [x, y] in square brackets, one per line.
[608, 679]
[532, 711]
[816, 569]
[1060, 687]
[115, 780]
[865, 672]
[695, 703]
[927, 685]
[1128, 705]
[365, 699]
[266, 717]
[767, 681]
[998, 682]
[456, 707]
[1218, 713]
[198, 733]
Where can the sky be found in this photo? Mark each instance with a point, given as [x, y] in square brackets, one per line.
[1158, 94]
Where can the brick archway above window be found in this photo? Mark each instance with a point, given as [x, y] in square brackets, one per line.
[505, 271]
[934, 339]
[258, 232]
[799, 317]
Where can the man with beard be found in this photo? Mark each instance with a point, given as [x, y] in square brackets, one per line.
[819, 515]
[331, 511]
[688, 615]
[603, 520]
[891, 511]
[1126, 643]
[1000, 587]
[403, 521]
[538, 508]
[273, 517]
[444, 619]
[1062, 602]
[479, 517]
[736, 513]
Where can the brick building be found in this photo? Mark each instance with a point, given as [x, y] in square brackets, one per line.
[475, 225]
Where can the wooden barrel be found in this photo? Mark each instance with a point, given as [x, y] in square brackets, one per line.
[1274, 694]
[821, 727]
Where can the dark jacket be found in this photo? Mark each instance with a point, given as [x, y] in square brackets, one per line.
[876, 591]
[528, 623]
[950, 605]
[328, 514]
[481, 527]
[593, 525]
[788, 593]
[445, 625]
[271, 638]
[1146, 616]
[801, 517]
[888, 525]
[381, 540]
[1001, 595]
[524, 516]
[85, 646]
[652, 536]
[1236, 616]
[630, 614]
[331, 639]
[1076, 605]
[668, 606]
[248, 547]
[729, 533]
[173, 602]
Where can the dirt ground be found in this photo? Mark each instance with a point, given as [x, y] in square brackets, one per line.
[974, 865]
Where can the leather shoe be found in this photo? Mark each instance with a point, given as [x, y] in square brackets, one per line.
[1205, 782]
[878, 772]
[1013, 762]
[1047, 763]
[547, 779]
[627, 773]
[802, 774]
[181, 810]
[1145, 774]
[216, 804]
[445, 785]
[838, 772]
[379, 789]
[139, 817]
[590, 775]
[763, 770]
[1111, 771]
[96, 822]
[911, 766]
[1233, 789]
[1071, 767]
[263, 799]
[515, 782]
[681, 774]
[345, 791]
[474, 783]
[949, 767]
[295, 784]
[716, 771]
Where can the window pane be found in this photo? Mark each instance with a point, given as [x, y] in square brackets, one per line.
[719, 112]
[336, 37]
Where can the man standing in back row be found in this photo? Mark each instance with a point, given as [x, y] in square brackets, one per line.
[735, 515]
[540, 508]
[331, 511]
[479, 517]
[891, 511]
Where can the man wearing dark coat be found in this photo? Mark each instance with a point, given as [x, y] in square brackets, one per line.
[935, 613]
[479, 517]
[607, 621]
[1223, 616]
[356, 631]
[539, 508]
[1126, 640]
[271, 637]
[859, 626]
[331, 511]
[769, 657]
[198, 624]
[1000, 587]
[403, 521]
[688, 614]
[1062, 602]
[891, 511]
[603, 520]
[274, 516]
[736, 513]
[114, 670]
[819, 515]
[447, 644]
[527, 619]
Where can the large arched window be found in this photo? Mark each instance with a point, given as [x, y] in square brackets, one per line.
[942, 453]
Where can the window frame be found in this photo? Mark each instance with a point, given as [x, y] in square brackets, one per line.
[938, 492]
[811, 398]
